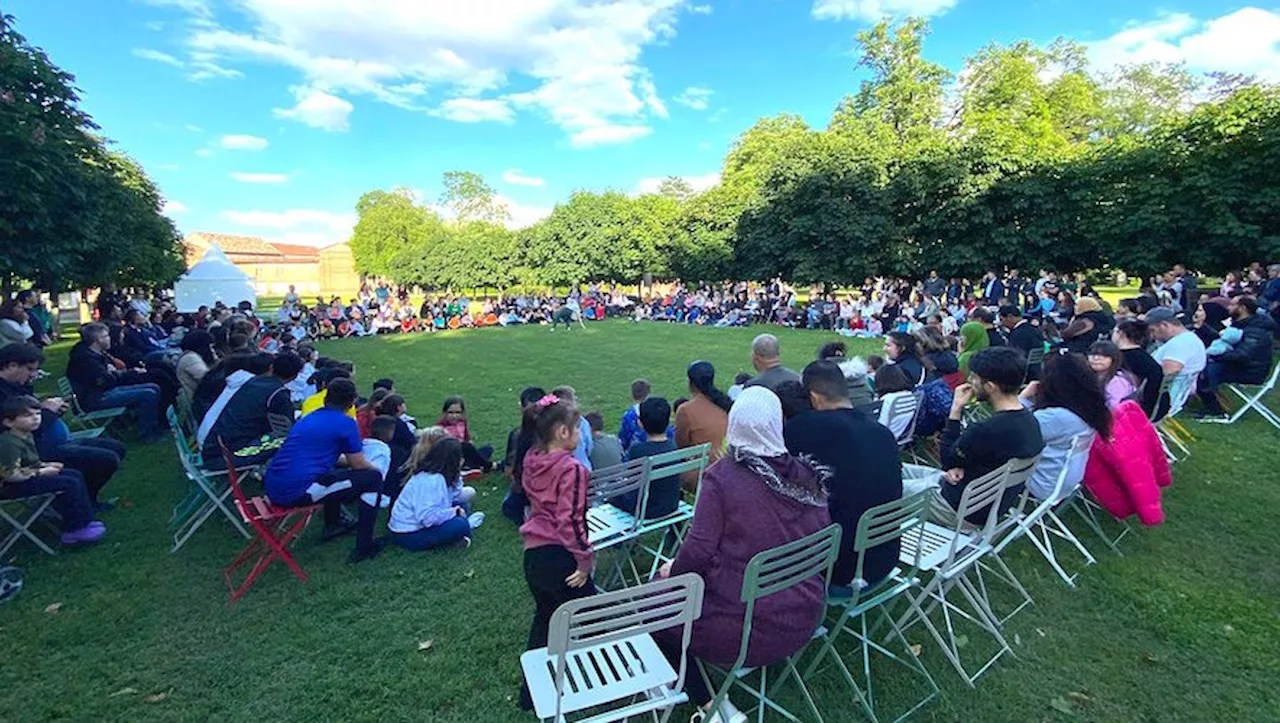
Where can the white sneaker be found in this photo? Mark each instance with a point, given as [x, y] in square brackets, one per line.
[475, 519]
[728, 713]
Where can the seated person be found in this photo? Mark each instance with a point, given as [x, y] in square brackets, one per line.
[376, 447]
[322, 461]
[433, 509]
[323, 378]
[606, 450]
[1248, 362]
[1067, 402]
[664, 493]
[453, 417]
[249, 410]
[98, 384]
[630, 430]
[22, 474]
[891, 384]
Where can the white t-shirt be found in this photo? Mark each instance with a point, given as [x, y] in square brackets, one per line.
[1188, 349]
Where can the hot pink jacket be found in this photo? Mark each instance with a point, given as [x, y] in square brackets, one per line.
[1125, 473]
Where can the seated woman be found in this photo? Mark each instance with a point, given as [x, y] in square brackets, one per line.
[1107, 362]
[891, 384]
[1132, 337]
[1089, 324]
[704, 418]
[1067, 402]
[755, 498]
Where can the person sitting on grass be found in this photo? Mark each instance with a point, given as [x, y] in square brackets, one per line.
[606, 450]
[369, 410]
[453, 417]
[322, 461]
[630, 431]
[434, 508]
[23, 474]
[376, 447]
[664, 493]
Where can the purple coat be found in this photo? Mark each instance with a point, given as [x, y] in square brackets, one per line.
[739, 515]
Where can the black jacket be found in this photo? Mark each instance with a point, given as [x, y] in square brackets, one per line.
[91, 374]
[1252, 356]
[245, 419]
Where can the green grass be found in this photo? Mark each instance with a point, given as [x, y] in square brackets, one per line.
[1184, 627]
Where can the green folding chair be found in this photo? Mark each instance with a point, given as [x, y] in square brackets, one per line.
[81, 418]
[208, 492]
[612, 529]
[768, 573]
[674, 526]
[878, 526]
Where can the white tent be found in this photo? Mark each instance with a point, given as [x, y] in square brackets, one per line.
[214, 278]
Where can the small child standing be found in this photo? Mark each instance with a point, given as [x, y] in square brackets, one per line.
[22, 474]
[558, 560]
[606, 450]
[630, 432]
[664, 493]
[433, 509]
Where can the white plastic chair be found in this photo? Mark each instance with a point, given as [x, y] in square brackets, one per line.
[600, 651]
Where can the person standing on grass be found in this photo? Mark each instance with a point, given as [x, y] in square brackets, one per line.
[558, 560]
[322, 461]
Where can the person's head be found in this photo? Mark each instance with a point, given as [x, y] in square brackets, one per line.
[1243, 307]
[1105, 359]
[259, 363]
[640, 390]
[1164, 324]
[677, 403]
[385, 383]
[794, 399]
[28, 298]
[21, 414]
[741, 378]
[765, 352]
[454, 410]
[286, 366]
[997, 371]
[19, 363]
[1010, 315]
[199, 342]
[826, 385]
[566, 393]
[392, 404]
[1066, 380]
[443, 457]
[554, 421]
[755, 423]
[983, 316]
[595, 420]
[900, 345]
[13, 309]
[96, 336]
[340, 394]
[237, 342]
[655, 416]
[890, 378]
[1087, 304]
[833, 350]
[383, 427]
[1131, 333]
[371, 404]
[529, 395]
[931, 340]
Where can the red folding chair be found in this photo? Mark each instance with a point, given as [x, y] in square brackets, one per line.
[275, 528]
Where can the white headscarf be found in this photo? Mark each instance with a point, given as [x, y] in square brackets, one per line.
[755, 423]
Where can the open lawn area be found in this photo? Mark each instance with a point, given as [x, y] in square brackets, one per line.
[1184, 627]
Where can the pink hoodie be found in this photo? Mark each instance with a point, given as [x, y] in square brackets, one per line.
[556, 485]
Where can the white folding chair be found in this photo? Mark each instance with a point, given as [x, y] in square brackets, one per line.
[27, 511]
[902, 411]
[1169, 429]
[600, 651]
[1049, 525]
[609, 526]
[1252, 396]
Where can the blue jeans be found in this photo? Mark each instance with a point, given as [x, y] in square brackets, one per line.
[141, 399]
[447, 534]
[72, 502]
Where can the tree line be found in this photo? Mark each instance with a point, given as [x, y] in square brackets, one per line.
[1030, 158]
[74, 212]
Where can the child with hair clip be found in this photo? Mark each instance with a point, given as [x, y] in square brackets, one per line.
[434, 508]
[557, 557]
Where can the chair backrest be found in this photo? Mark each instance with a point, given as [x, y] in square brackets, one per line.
[233, 479]
[1080, 446]
[610, 482]
[1035, 356]
[67, 392]
[1179, 391]
[670, 464]
[181, 437]
[888, 522]
[902, 406]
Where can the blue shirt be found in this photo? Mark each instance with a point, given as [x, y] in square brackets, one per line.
[311, 449]
[585, 443]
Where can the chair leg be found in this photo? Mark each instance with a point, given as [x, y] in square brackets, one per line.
[21, 530]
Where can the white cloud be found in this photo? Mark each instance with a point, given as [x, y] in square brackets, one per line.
[308, 226]
[698, 183]
[475, 110]
[516, 178]
[522, 215]
[260, 177]
[608, 134]
[173, 208]
[695, 97]
[874, 10]
[243, 143]
[317, 109]
[204, 152]
[1244, 41]
[700, 9]
[578, 62]
[158, 57]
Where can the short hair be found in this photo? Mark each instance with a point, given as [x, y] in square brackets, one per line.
[1003, 366]
[890, 378]
[1009, 310]
[982, 314]
[385, 383]
[655, 415]
[741, 378]
[258, 363]
[383, 427]
[833, 350]
[286, 365]
[640, 389]
[766, 346]
[237, 340]
[566, 393]
[89, 332]
[20, 354]
[18, 405]
[595, 420]
[1135, 330]
[529, 395]
[825, 379]
[1249, 303]
[340, 394]
[794, 399]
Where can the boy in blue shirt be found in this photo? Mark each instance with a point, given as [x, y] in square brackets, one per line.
[664, 493]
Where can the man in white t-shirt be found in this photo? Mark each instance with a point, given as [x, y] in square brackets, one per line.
[1181, 354]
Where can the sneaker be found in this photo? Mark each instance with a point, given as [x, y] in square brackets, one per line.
[95, 523]
[358, 555]
[83, 536]
[475, 519]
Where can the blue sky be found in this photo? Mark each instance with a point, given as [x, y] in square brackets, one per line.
[271, 117]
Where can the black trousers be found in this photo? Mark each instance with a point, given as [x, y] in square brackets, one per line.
[96, 459]
[345, 485]
[545, 569]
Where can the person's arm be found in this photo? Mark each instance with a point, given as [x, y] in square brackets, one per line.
[571, 508]
[1077, 327]
[432, 503]
[1171, 367]
[684, 433]
[1245, 350]
[353, 447]
[703, 542]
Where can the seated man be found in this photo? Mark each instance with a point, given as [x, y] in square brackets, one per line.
[98, 384]
[96, 459]
[1021, 334]
[1181, 355]
[249, 410]
[865, 466]
[322, 460]
[1249, 362]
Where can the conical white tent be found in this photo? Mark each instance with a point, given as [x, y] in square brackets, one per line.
[214, 278]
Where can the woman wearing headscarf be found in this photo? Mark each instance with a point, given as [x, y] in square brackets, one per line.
[704, 418]
[755, 498]
[973, 339]
[1089, 324]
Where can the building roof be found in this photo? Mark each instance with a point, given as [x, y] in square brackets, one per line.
[251, 249]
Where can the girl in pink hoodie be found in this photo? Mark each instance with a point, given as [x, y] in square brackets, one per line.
[557, 556]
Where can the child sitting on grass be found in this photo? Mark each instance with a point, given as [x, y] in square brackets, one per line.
[433, 509]
[377, 449]
[664, 493]
[606, 450]
[453, 417]
[22, 474]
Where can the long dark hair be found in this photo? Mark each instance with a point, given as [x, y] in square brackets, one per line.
[1067, 381]
[702, 377]
[444, 459]
[911, 347]
[200, 342]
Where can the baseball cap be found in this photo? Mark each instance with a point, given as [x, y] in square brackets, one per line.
[1160, 315]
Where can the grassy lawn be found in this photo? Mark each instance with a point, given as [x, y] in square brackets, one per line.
[1185, 626]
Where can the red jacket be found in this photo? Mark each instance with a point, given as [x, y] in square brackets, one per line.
[556, 484]
[1125, 474]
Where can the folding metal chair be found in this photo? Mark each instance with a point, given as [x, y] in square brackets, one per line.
[879, 525]
[275, 529]
[672, 526]
[951, 554]
[767, 573]
[903, 406]
[1092, 514]
[79, 417]
[1035, 358]
[1042, 524]
[207, 493]
[610, 527]
[1170, 430]
[600, 651]
[1252, 396]
[27, 511]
